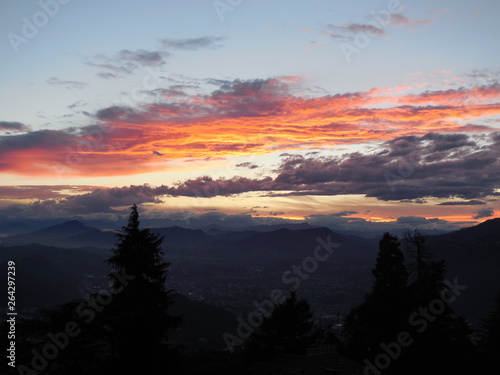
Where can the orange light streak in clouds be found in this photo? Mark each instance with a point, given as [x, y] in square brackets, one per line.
[247, 120]
[373, 210]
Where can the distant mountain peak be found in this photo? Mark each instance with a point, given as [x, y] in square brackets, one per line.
[274, 227]
[487, 229]
[73, 222]
[491, 222]
[70, 225]
[485, 226]
[48, 235]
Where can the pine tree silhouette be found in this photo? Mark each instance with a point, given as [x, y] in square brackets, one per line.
[139, 311]
[440, 342]
[288, 329]
[390, 273]
[489, 343]
[428, 274]
[385, 309]
[441, 338]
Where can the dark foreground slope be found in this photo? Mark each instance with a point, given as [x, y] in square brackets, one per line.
[472, 255]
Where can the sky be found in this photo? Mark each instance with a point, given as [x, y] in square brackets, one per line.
[349, 114]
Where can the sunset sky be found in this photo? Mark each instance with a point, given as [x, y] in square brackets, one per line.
[350, 114]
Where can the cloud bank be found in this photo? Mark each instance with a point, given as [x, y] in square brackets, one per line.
[241, 118]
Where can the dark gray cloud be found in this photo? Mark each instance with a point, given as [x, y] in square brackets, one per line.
[204, 159]
[415, 221]
[434, 165]
[485, 75]
[40, 139]
[484, 212]
[127, 61]
[121, 113]
[106, 75]
[192, 43]
[67, 84]
[348, 32]
[112, 68]
[113, 203]
[344, 213]
[14, 126]
[40, 191]
[202, 220]
[247, 165]
[405, 168]
[77, 104]
[241, 98]
[275, 213]
[99, 201]
[365, 228]
[206, 186]
[113, 113]
[416, 201]
[143, 57]
[232, 99]
[473, 202]
[400, 20]
[116, 68]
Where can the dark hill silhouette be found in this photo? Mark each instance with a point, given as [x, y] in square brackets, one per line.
[247, 245]
[91, 238]
[70, 234]
[487, 231]
[68, 228]
[72, 260]
[74, 234]
[273, 227]
[215, 229]
[42, 283]
[181, 236]
[300, 243]
[234, 236]
[473, 256]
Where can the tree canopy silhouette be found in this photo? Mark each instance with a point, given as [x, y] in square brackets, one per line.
[288, 329]
[490, 335]
[439, 340]
[140, 319]
[385, 309]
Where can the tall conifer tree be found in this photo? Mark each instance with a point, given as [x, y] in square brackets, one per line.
[385, 310]
[140, 313]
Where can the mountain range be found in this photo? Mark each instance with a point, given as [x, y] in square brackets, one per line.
[230, 267]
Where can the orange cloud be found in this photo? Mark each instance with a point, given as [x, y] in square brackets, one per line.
[243, 118]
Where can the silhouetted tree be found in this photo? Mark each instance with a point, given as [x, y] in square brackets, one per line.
[288, 329]
[441, 337]
[417, 248]
[428, 274]
[390, 272]
[385, 309]
[139, 311]
[489, 343]
[439, 340]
